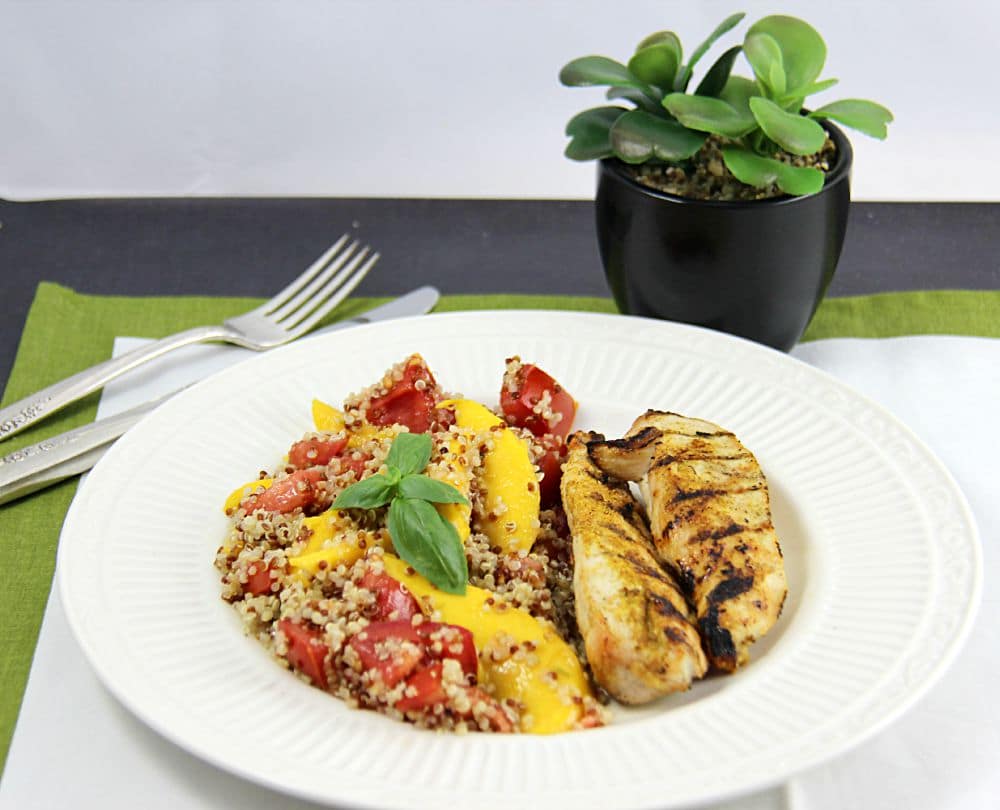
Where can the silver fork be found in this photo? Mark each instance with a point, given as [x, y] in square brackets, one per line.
[288, 315]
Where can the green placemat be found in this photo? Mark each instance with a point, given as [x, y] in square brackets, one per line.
[66, 331]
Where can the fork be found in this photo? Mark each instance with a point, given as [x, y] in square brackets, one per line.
[288, 315]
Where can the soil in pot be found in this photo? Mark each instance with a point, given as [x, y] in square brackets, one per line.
[704, 175]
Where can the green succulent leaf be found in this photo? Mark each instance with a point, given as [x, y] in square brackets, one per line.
[765, 57]
[656, 65]
[718, 74]
[738, 91]
[724, 27]
[588, 71]
[429, 543]
[667, 38]
[590, 133]
[637, 97]
[429, 489]
[793, 133]
[409, 453]
[802, 49]
[761, 172]
[707, 114]
[857, 113]
[819, 87]
[638, 136]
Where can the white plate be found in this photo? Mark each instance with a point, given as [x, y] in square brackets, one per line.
[881, 551]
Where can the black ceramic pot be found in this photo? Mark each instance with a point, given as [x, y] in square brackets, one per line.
[757, 269]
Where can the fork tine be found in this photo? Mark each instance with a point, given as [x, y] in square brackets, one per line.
[339, 290]
[305, 296]
[310, 272]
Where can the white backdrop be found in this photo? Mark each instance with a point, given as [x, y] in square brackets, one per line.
[433, 98]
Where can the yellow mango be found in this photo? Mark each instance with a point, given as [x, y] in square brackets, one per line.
[327, 418]
[511, 497]
[237, 495]
[457, 514]
[545, 686]
[363, 433]
[327, 543]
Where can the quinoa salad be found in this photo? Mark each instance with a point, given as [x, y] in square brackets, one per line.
[410, 556]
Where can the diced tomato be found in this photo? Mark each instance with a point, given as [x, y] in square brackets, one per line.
[298, 490]
[426, 683]
[392, 668]
[522, 392]
[348, 462]
[409, 402]
[456, 642]
[315, 452]
[433, 641]
[306, 652]
[391, 597]
[550, 463]
[259, 582]
[498, 719]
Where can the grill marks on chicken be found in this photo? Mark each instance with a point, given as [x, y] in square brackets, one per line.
[636, 624]
[710, 517]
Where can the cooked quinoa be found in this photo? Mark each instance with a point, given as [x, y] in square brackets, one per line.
[328, 623]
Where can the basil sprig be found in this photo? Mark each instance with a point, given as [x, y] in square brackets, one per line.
[420, 535]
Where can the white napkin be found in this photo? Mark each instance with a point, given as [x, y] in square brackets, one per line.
[76, 746]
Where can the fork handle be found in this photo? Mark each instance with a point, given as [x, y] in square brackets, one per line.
[26, 412]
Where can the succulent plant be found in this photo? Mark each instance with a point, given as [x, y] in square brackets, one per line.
[757, 117]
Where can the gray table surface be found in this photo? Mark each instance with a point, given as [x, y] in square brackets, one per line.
[237, 246]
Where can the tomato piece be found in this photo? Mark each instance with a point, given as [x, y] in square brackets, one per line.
[391, 667]
[433, 641]
[427, 688]
[550, 463]
[409, 402]
[450, 641]
[391, 597]
[315, 452]
[524, 390]
[356, 465]
[299, 490]
[497, 718]
[259, 581]
[306, 652]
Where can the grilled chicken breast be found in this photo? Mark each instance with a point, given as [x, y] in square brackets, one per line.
[636, 624]
[711, 523]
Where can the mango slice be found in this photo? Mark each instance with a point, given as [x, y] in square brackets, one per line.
[511, 496]
[237, 495]
[457, 514]
[326, 418]
[329, 526]
[548, 682]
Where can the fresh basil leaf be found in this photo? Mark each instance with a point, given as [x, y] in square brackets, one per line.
[409, 453]
[429, 543]
[429, 489]
[376, 490]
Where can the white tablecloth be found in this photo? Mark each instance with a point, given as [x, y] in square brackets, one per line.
[75, 746]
